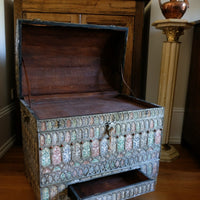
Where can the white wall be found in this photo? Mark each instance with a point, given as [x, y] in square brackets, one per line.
[7, 105]
[154, 59]
[2, 46]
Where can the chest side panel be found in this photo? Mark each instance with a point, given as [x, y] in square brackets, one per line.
[30, 147]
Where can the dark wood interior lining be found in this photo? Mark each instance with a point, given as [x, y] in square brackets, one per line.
[105, 184]
[62, 59]
[68, 106]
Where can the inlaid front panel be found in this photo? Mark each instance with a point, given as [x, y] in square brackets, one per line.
[83, 147]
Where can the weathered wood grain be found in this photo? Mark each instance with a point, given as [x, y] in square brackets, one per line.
[116, 7]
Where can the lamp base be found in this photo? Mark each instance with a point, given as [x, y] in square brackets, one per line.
[168, 153]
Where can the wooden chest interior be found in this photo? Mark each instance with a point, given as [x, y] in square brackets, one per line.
[77, 70]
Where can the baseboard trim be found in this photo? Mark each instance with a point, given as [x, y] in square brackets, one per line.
[178, 110]
[7, 109]
[175, 140]
[6, 146]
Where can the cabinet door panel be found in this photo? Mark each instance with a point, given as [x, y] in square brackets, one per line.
[191, 132]
[70, 18]
[125, 21]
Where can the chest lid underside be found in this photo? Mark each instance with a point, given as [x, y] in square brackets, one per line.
[71, 69]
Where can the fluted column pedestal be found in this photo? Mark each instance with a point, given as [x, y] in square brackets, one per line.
[173, 29]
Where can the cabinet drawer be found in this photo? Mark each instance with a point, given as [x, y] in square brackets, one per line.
[121, 7]
[119, 186]
[57, 17]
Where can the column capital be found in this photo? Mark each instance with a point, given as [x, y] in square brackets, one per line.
[172, 28]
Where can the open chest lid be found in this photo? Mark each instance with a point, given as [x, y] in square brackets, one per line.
[59, 58]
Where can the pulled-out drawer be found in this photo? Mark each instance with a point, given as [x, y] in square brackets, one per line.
[115, 187]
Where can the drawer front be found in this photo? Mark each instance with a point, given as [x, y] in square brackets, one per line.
[125, 193]
[128, 192]
[88, 147]
[137, 185]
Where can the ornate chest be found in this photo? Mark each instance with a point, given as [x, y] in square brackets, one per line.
[82, 138]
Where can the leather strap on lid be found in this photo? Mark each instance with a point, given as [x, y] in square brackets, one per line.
[27, 82]
[125, 83]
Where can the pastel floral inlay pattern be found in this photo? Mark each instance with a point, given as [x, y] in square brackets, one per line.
[136, 141]
[123, 128]
[73, 122]
[48, 139]
[86, 150]
[154, 169]
[79, 134]
[91, 121]
[46, 171]
[95, 148]
[129, 142]
[130, 115]
[133, 127]
[42, 140]
[91, 132]
[73, 136]
[56, 155]
[143, 140]
[54, 139]
[151, 124]
[86, 134]
[113, 144]
[45, 157]
[66, 155]
[160, 123]
[45, 194]
[128, 127]
[137, 126]
[43, 126]
[149, 169]
[151, 138]
[120, 144]
[102, 130]
[76, 152]
[96, 120]
[49, 125]
[68, 123]
[147, 124]
[104, 147]
[61, 137]
[101, 120]
[96, 133]
[158, 137]
[67, 137]
[118, 129]
[155, 123]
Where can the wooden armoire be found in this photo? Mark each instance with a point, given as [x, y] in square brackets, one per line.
[191, 132]
[125, 13]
